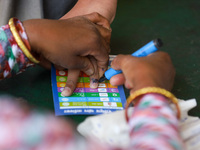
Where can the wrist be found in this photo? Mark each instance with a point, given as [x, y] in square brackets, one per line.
[14, 60]
[139, 93]
[21, 38]
[32, 34]
[103, 7]
[149, 81]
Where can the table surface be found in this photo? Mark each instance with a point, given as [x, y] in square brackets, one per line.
[136, 23]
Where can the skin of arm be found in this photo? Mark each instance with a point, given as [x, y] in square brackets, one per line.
[106, 8]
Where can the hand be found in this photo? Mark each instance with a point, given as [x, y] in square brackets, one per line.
[73, 74]
[154, 70]
[105, 8]
[68, 43]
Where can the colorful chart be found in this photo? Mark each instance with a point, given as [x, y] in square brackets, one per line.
[86, 101]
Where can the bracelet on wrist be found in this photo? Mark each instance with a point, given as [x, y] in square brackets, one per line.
[148, 90]
[21, 42]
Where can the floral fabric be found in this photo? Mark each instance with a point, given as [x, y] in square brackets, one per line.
[12, 59]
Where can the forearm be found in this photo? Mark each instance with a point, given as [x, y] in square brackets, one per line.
[153, 121]
[106, 8]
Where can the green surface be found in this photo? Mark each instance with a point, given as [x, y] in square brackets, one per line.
[137, 22]
[177, 23]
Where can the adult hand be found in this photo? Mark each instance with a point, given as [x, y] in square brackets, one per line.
[68, 43]
[138, 72]
[73, 74]
[105, 8]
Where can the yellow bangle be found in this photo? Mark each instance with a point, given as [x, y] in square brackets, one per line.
[20, 42]
[157, 90]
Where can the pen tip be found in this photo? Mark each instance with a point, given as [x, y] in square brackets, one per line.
[103, 78]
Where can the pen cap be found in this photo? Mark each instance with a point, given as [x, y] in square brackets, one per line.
[149, 48]
[158, 43]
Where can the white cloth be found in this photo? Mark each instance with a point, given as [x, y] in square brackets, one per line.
[112, 129]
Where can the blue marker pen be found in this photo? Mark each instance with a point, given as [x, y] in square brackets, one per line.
[147, 49]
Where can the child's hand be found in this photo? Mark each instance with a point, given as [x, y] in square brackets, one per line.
[68, 43]
[153, 70]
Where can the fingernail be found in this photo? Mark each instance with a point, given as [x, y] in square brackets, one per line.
[66, 92]
[89, 72]
[93, 83]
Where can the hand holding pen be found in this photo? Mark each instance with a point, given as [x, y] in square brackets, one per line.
[147, 49]
[139, 72]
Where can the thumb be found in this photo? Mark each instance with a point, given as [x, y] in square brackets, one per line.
[85, 65]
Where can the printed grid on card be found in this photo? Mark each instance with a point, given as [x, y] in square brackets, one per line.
[85, 100]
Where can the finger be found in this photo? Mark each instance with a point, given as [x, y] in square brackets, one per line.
[125, 63]
[120, 61]
[82, 63]
[98, 19]
[102, 58]
[71, 82]
[106, 34]
[85, 65]
[157, 54]
[117, 80]
[128, 85]
[102, 66]
[94, 78]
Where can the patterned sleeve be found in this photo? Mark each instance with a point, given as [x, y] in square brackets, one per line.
[154, 126]
[12, 59]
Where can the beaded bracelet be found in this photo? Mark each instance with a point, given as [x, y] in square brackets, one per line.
[147, 90]
[21, 44]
